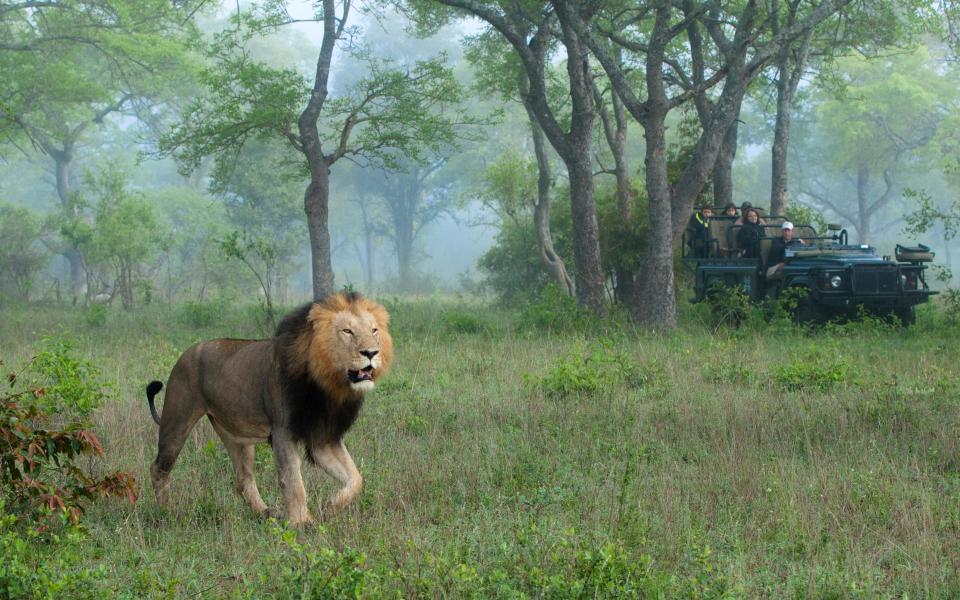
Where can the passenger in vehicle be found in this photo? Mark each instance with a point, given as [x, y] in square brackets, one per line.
[730, 210]
[748, 238]
[699, 228]
[743, 214]
[778, 250]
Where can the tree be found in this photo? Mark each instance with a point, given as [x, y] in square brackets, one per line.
[497, 68]
[124, 236]
[865, 28]
[69, 65]
[263, 195]
[531, 30]
[22, 255]
[742, 44]
[876, 128]
[403, 108]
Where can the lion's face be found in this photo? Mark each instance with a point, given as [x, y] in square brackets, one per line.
[351, 347]
[357, 347]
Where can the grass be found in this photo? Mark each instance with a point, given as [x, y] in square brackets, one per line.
[752, 462]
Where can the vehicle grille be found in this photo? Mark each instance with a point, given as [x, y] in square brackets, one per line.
[876, 281]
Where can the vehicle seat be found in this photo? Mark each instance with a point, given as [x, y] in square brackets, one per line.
[765, 245]
[719, 229]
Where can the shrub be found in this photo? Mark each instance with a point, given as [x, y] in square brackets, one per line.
[42, 435]
[51, 568]
[463, 322]
[296, 572]
[554, 310]
[95, 315]
[197, 313]
[597, 367]
[815, 370]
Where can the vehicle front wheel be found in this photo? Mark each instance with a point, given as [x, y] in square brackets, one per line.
[808, 312]
[906, 314]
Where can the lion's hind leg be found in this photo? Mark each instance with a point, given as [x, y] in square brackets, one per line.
[176, 423]
[336, 461]
[242, 456]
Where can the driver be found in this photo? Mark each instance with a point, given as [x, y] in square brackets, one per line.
[778, 250]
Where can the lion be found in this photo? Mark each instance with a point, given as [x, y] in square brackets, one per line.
[303, 386]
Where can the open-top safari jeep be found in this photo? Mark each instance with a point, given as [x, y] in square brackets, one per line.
[829, 276]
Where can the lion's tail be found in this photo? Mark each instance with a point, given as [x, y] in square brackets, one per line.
[153, 388]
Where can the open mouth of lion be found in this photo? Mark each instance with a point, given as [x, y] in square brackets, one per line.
[364, 374]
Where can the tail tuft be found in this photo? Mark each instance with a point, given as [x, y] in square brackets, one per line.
[153, 388]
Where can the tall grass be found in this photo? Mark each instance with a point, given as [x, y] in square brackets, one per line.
[761, 461]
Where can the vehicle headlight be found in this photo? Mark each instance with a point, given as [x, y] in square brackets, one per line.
[835, 281]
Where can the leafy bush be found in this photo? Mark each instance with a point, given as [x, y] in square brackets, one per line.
[554, 310]
[512, 266]
[296, 572]
[728, 305]
[197, 313]
[463, 322]
[65, 383]
[95, 315]
[31, 567]
[42, 436]
[599, 366]
[816, 370]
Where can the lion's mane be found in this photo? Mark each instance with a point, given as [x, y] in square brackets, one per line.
[322, 406]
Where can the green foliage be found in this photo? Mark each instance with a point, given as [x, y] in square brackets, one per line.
[728, 305]
[70, 385]
[599, 366]
[457, 321]
[814, 369]
[51, 566]
[512, 266]
[43, 436]
[22, 256]
[196, 313]
[125, 233]
[95, 315]
[554, 310]
[799, 214]
[299, 572]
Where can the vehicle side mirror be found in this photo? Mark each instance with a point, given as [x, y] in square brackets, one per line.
[834, 226]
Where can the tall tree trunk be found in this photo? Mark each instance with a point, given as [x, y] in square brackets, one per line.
[316, 198]
[656, 296]
[791, 62]
[583, 206]
[723, 167]
[552, 261]
[62, 159]
[316, 207]
[586, 234]
[863, 205]
[615, 131]
[778, 156]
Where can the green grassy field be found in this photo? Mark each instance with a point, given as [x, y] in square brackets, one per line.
[509, 461]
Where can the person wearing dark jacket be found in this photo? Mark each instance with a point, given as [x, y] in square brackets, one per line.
[699, 228]
[778, 250]
[748, 238]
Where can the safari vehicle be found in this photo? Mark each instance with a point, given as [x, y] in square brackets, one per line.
[831, 277]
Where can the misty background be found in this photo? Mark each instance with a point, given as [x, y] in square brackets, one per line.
[872, 143]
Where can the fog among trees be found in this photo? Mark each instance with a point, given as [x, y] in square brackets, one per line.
[271, 152]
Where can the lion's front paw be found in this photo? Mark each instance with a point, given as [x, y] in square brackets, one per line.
[269, 513]
[305, 523]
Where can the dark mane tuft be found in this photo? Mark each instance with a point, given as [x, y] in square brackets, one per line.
[314, 414]
[294, 322]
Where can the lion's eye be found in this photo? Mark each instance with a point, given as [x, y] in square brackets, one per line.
[375, 330]
[348, 332]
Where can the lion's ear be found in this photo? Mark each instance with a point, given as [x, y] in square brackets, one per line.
[379, 313]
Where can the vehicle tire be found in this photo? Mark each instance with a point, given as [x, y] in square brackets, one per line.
[808, 312]
[906, 314]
